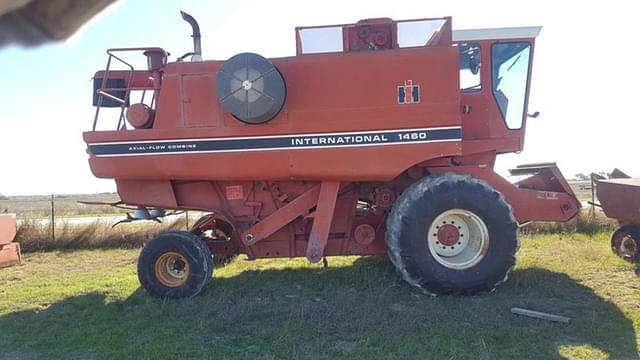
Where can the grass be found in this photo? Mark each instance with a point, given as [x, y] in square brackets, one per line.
[588, 221]
[87, 304]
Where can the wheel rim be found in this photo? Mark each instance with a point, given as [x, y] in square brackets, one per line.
[172, 269]
[628, 246]
[458, 239]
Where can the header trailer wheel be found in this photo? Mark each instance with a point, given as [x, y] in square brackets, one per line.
[625, 242]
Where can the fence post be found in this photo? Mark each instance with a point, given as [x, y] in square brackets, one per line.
[593, 197]
[53, 220]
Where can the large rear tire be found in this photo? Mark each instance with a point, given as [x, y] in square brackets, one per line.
[175, 264]
[452, 234]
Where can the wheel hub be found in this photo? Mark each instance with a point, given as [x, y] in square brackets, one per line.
[172, 269]
[458, 239]
[448, 235]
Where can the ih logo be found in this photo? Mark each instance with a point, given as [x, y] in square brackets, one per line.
[408, 93]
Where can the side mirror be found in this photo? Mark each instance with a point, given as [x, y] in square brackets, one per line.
[470, 57]
[534, 115]
[474, 65]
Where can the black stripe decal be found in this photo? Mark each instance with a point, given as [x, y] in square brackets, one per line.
[264, 143]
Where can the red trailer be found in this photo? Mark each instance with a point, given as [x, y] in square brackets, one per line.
[376, 137]
[620, 200]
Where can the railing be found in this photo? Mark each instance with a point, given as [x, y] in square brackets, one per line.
[156, 59]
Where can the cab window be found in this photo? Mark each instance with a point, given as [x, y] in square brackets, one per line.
[510, 73]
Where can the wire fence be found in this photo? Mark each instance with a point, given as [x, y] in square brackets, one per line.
[57, 213]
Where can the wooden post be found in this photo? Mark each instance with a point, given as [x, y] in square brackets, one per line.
[540, 315]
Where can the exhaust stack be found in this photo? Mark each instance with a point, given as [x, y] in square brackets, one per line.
[197, 49]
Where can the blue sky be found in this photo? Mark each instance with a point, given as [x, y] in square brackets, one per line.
[584, 80]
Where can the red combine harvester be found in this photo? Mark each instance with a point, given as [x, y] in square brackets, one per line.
[377, 137]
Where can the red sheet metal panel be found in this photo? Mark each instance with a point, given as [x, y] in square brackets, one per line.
[10, 255]
[342, 111]
[7, 228]
[529, 204]
[620, 199]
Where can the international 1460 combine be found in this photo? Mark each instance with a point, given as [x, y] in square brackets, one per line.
[376, 137]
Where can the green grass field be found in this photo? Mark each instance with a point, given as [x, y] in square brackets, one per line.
[87, 304]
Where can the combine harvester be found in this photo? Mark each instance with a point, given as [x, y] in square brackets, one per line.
[9, 250]
[376, 137]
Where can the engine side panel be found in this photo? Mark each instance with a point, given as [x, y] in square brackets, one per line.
[357, 116]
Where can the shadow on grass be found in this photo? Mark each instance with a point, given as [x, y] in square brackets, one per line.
[362, 311]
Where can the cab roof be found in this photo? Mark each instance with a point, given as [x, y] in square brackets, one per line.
[524, 32]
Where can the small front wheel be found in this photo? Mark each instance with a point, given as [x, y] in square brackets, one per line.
[625, 242]
[175, 264]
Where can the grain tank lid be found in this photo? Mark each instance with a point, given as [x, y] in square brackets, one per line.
[373, 34]
[524, 32]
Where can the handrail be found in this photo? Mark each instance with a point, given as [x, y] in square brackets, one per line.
[115, 98]
[102, 91]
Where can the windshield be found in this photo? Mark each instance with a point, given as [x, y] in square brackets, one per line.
[510, 71]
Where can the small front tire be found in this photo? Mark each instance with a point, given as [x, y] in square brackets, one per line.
[175, 264]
